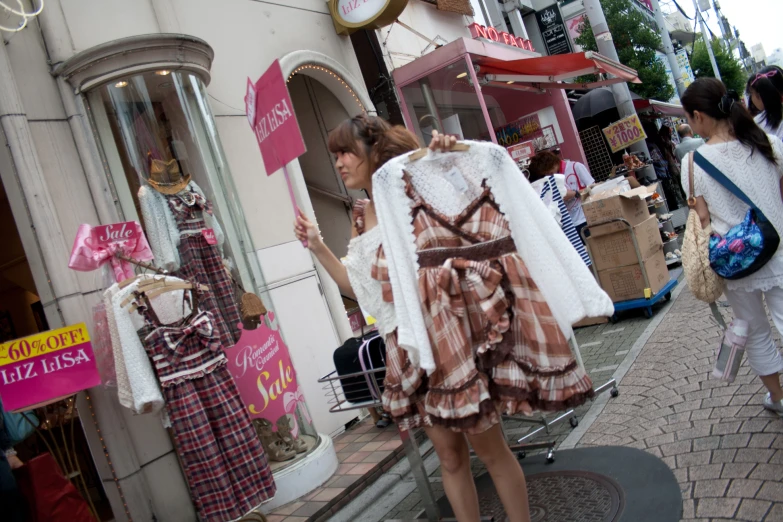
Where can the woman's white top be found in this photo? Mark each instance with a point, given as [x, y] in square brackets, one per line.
[760, 181]
[362, 251]
[450, 182]
[761, 121]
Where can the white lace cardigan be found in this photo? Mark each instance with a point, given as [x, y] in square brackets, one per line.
[161, 226]
[449, 182]
[137, 383]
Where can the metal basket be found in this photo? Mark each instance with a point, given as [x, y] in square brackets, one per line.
[337, 389]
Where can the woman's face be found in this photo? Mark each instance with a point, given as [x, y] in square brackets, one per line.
[354, 170]
[756, 99]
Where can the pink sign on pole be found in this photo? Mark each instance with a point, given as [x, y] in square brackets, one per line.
[275, 125]
[105, 235]
[46, 367]
[263, 372]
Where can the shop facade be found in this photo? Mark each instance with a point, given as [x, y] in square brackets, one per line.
[86, 88]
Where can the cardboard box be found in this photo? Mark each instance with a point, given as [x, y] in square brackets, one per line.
[627, 282]
[630, 205]
[591, 321]
[611, 245]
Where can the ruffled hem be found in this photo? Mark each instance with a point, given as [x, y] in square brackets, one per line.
[195, 375]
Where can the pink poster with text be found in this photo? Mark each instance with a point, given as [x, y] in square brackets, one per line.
[262, 370]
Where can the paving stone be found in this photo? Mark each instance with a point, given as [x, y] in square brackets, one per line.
[710, 471]
[706, 443]
[710, 488]
[753, 510]
[762, 440]
[717, 507]
[696, 458]
[739, 440]
[775, 513]
[771, 491]
[766, 472]
[737, 470]
[677, 448]
[742, 488]
[754, 455]
[726, 428]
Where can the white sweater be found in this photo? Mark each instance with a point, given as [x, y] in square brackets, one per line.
[760, 181]
[449, 182]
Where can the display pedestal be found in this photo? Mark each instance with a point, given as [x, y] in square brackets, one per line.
[302, 477]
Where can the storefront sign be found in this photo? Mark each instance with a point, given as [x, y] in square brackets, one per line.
[685, 67]
[104, 235]
[553, 30]
[490, 33]
[275, 125]
[350, 16]
[522, 151]
[263, 372]
[519, 130]
[574, 27]
[625, 132]
[46, 367]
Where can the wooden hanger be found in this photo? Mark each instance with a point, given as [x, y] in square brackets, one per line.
[458, 147]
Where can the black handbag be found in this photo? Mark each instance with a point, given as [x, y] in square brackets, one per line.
[360, 354]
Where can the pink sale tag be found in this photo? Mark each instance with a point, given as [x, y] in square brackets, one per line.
[106, 234]
[209, 235]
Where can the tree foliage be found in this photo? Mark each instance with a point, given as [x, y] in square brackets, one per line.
[731, 71]
[636, 42]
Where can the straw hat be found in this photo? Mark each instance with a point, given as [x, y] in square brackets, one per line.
[166, 178]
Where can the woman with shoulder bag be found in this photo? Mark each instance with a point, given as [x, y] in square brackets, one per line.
[737, 191]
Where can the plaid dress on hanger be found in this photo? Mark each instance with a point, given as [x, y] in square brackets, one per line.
[223, 460]
[201, 262]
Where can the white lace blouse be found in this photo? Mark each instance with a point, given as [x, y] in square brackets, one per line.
[760, 181]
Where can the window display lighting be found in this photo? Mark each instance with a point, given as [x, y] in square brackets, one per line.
[333, 75]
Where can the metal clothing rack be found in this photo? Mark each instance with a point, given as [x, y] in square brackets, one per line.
[364, 390]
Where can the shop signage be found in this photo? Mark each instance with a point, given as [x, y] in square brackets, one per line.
[574, 26]
[274, 123]
[685, 67]
[625, 132]
[522, 151]
[107, 234]
[46, 367]
[553, 30]
[490, 33]
[518, 130]
[350, 16]
[263, 372]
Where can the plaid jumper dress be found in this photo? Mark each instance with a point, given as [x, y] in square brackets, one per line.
[497, 347]
[201, 262]
[223, 460]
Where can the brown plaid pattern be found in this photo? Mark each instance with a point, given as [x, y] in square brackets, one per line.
[497, 346]
[223, 460]
[201, 262]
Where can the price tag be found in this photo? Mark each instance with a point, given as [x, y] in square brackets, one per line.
[455, 177]
[625, 132]
[209, 235]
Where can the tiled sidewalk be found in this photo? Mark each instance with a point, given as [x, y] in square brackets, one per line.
[365, 452]
[724, 448]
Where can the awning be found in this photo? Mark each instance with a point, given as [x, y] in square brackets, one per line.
[658, 107]
[547, 72]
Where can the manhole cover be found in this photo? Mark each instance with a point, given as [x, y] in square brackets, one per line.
[558, 496]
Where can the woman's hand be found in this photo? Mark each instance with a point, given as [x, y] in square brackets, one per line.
[307, 233]
[442, 142]
[15, 462]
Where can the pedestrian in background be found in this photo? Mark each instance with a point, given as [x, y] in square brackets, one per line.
[577, 178]
[753, 161]
[687, 142]
[659, 154]
[766, 94]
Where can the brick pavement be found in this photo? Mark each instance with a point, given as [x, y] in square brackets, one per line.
[725, 450]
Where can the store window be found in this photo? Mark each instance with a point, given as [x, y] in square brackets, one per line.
[447, 101]
[161, 147]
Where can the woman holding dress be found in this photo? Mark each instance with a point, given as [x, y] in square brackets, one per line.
[361, 145]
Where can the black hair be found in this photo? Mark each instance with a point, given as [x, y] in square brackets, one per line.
[709, 96]
[768, 83]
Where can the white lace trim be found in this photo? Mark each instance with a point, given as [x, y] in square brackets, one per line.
[362, 251]
[564, 280]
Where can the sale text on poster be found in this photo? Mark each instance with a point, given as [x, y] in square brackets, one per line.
[625, 132]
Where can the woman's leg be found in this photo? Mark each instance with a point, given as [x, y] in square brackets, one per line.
[452, 450]
[763, 355]
[492, 448]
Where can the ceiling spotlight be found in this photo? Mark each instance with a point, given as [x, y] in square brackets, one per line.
[120, 84]
[509, 83]
[462, 75]
[164, 72]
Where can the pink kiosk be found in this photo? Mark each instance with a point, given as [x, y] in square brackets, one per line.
[495, 87]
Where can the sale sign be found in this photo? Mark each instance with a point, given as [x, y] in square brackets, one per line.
[46, 367]
[275, 125]
[522, 151]
[263, 372]
[625, 132]
[115, 233]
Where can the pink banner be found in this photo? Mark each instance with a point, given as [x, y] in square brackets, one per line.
[275, 125]
[46, 367]
[263, 372]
